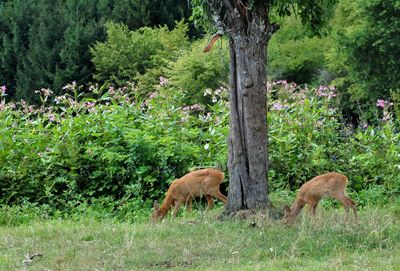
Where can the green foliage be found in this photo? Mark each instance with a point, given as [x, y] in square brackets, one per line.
[195, 71]
[314, 15]
[293, 55]
[45, 44]
[307, 138]
[139, 56]
[115, 153]
[364, 56]
[109, 148]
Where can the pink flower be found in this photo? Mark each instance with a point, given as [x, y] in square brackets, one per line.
[324, 91]
[52, 117]
[70, 87]
[380, 103]
[59, 99]
[111, 90]
[3, 90]
[89, 104]
[277, 106]
[194, 107]
[152, 95]
[163, 81]
[280, 82]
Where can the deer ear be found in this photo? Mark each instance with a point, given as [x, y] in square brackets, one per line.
[156, 205]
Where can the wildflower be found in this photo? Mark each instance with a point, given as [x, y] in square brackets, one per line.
[386, 116]
[219, 91]
[208, 91]
[59, 99]
[70, 87]
[163, 81]
[92, 88]
[380, 103]
[277, 106]
[324, 91]
[111, 90]
[195, 107]
[269, 86]
[89, 105]
[3, 90]
[46, 92]
[280, 82]
[208, 116]
[152, 95]
[52, 118]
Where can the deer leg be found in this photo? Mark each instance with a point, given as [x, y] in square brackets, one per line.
[313, 208]
[217, 194]
[177, 206]
[210, 202]
[346, 203]
[189, 203]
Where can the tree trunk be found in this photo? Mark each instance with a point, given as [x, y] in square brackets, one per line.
[247, 25]
[248, 150]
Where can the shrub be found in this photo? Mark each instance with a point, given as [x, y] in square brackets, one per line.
[85, 148]
[195, 71]
[140, 56]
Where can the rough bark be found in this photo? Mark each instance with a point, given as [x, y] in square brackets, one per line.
[248, 31]
[248, 156]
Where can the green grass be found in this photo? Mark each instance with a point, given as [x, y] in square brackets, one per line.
[202, 242]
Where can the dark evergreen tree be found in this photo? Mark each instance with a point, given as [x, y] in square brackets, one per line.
[45, 43]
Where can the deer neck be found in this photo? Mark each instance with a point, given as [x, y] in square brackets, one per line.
[296, 208]
[166, 205]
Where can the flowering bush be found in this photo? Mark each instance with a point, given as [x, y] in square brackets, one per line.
[307, 137]
[109, 145]
[112, 148]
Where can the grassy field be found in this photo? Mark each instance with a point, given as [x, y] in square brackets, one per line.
[202, 242]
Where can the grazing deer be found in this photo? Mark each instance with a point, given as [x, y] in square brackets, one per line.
[330, 184]
[202, 182]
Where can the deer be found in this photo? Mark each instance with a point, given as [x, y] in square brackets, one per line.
[330, 184]
[202, 182]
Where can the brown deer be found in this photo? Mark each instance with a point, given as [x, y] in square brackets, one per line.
[202, 182]
[330, 184]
